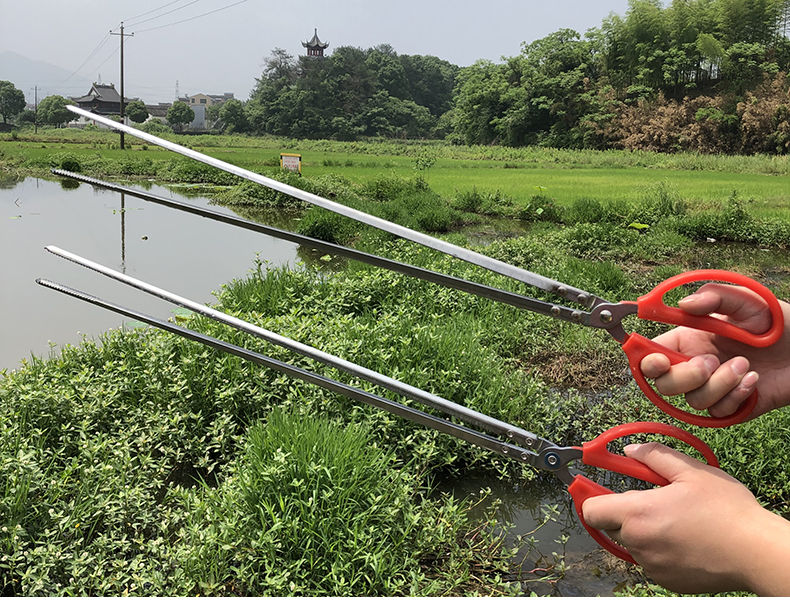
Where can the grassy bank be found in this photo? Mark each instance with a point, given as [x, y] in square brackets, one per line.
[149, 465]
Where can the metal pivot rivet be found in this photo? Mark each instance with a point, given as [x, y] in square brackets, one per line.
[510, 433]
[529, 442]
[524, 456]
[552, 459]
[561, 290]
[606, 316]
[582, 299]
[505, 450]
[555, 310]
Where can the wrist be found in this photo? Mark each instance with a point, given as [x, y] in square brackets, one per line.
[765, 553]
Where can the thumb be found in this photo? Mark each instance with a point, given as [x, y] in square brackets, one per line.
[666, 461]
[741, 305]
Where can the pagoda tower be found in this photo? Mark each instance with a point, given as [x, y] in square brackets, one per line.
[315, 48]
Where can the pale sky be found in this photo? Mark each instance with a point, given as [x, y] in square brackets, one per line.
[224, 51]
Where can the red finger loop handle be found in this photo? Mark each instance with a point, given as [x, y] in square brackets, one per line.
[651, 306]
[596, 452]
[581, 489]
[637, 347]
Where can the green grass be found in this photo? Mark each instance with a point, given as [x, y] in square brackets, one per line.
[564, 175]
[149, 465]
[144, 464]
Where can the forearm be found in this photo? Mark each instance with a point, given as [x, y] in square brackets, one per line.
[767, 556]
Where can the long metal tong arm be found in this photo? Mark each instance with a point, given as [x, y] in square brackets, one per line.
[471, 287]
[441, 404]
[497, 266]
[424, 419]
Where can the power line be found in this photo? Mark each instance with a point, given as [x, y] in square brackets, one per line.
[88, 58]
[114, 52]
[153, 10]
[177, 8]
[216, 10]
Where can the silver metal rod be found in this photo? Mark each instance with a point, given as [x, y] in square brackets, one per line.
[416, 394]
[485, 291]
[415, 415]
[492, 264]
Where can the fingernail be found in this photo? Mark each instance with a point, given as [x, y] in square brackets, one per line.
[687, 299]
[633, 448]
[749, 380]
[739, 366]
[711, 363]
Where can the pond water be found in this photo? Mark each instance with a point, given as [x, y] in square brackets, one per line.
[186, 254]
[193, 256]
[522, 509]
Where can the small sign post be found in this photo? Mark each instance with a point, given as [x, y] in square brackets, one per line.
[292, 162]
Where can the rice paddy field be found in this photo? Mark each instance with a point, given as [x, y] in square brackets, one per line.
[563, 175]
[138, 463]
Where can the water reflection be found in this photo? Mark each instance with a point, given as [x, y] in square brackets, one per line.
[190, 255]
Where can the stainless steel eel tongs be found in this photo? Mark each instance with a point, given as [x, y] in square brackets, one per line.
[494, 435]
[595, 312]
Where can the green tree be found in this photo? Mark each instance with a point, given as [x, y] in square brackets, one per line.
[137, 111]
[232, 114]
[52, 110]
[386, 115]
[12, 100]
[179, 115]
[350, 92]
[388, 70]
[430, 81]
[479, 102]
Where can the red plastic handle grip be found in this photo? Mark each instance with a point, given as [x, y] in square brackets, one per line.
[581, 489]
[595, 453]
[651, 306]
[637, 347]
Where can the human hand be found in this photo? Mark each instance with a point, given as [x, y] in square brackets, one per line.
[722, 373]
[704, 532]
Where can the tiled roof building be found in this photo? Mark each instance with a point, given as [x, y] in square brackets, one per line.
[314, 46]
[102, 99]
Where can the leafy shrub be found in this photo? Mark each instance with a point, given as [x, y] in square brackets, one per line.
[540, 207]
[191, 171]
[253, 194]
[155, 127]
[495, 203]
[596, 241]
[328, 226]
[437, 218]
[587, 209]
[65, 161]
[469, 201]
[385, 188]
[659, 202]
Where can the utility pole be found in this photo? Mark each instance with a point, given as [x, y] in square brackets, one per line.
[112, 33]
[35, 110]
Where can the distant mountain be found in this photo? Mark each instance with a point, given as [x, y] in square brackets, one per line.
[26, 73]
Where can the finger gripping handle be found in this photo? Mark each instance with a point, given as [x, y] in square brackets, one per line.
[596, 452]
[637, 347]
[651, 306]
[581, 489]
